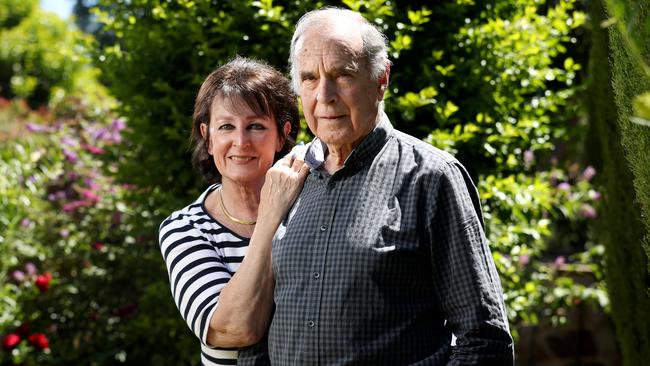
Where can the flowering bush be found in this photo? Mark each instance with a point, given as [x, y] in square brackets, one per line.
[82, 282]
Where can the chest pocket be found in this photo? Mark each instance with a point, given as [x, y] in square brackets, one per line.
[379, 222]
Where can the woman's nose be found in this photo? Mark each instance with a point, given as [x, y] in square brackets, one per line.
[241, 138]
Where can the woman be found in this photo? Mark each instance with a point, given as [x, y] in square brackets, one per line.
[218, 249]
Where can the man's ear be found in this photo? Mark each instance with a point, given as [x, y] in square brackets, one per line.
[282, 139]
[204, 133]
[383, 81]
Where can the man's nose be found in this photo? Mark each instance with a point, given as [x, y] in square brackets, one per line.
[326, 91]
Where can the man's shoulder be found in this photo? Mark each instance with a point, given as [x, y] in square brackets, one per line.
[424, 154]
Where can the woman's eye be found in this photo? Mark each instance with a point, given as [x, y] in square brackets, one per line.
[226, 126]
[257, 126]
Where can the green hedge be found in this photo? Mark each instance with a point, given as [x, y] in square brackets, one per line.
[625, 229]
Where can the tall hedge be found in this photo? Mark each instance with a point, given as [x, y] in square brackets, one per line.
[624, 227]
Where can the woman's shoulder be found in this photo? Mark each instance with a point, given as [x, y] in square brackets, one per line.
[191, 215]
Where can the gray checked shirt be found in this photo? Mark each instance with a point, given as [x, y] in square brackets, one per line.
[384, 262]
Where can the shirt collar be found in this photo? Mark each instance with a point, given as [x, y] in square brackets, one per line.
[364, 152]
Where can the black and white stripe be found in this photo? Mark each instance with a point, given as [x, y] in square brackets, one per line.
[201, 256]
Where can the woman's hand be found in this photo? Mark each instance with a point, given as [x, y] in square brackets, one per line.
[281, 188]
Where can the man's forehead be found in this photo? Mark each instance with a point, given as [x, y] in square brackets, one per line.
[339, 50]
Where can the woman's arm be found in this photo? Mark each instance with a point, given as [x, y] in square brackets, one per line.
[245, 304]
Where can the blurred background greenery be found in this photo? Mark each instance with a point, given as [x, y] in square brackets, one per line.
[544, 101]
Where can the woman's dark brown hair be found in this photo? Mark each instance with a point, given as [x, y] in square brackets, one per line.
[264, 90]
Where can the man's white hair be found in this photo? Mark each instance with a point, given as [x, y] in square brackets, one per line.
[374, 42]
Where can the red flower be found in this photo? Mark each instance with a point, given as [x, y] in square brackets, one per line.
[10, 341]
[99, 246]
[38, 340]
[43, 281]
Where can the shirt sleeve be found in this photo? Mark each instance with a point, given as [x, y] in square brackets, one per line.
[197, 273]
[465, 279]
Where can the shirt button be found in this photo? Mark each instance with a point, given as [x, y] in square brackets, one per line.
[311, 324]
[316, 275]
[323, 227]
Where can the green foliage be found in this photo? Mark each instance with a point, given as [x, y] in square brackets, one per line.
[12, 12]
[617, 94]
[493, 83]
[163, 51]
[41, 58]
[80, 264]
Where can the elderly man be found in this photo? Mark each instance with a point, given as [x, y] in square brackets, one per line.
[383, 259]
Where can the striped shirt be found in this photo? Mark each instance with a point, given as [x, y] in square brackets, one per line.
[201, 256]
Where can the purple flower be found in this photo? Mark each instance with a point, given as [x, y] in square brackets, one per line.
[35, 127]
[18, 276]
[529, 157]
[70, 155]
[564, 186]
[559, 261]
[90, 183]
[31, 179]
[68, 141]
[99, 133]
[25, 222]
[588, 173]
[588, 211]
[64, 233]
[30, 268]
[116, 137]
[73, 175]
[118, 124]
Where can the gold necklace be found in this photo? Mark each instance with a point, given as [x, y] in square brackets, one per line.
[229, 216]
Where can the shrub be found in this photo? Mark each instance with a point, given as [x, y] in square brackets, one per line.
[489, 81]
[41, 58]
[84, 283]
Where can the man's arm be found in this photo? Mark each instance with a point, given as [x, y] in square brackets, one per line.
[465, 279]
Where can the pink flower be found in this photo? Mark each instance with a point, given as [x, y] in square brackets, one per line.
[10, 341]
[64, 233]
[564, 186]
[594, 195]
[74, 205]
[588, 173]
[524, 259]
[559, 261]
[91, 196]
[588, 211]
[43, 281]
[39, 340]
[529, 157]
[93, 149]
[25, 222]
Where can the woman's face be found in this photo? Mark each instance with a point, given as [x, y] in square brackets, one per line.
[242, 143]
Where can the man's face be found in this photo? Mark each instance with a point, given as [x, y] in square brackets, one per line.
[339, 99]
